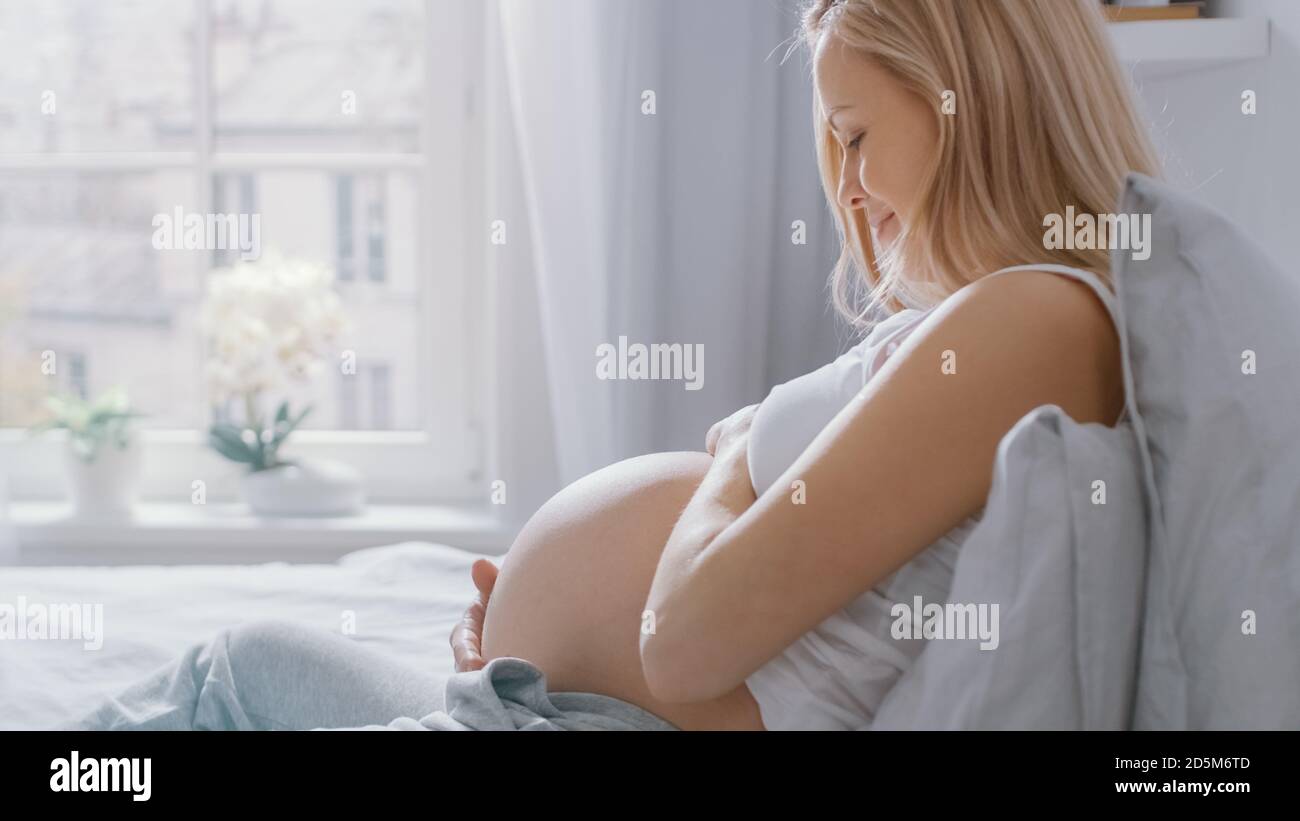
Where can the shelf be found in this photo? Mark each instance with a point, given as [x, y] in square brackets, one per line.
[1160, 48]
[229, 533]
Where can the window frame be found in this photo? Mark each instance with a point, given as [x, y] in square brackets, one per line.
[444, 462]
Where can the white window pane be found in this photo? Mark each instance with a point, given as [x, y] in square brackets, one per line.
[89, 75]
[380, 388]
[302, 75]
[83, 288]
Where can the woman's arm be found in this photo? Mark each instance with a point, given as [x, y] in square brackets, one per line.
[903, 464]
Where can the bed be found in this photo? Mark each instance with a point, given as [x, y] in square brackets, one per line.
[402, 599]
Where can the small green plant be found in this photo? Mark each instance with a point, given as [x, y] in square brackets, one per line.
[91, 425]
[254, 443]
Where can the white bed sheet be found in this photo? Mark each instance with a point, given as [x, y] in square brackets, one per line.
[405, 599]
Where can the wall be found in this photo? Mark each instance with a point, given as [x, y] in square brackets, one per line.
[1247, 166]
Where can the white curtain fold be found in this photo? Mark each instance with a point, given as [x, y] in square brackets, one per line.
[8, 542]
[553, 74]
[668, 227]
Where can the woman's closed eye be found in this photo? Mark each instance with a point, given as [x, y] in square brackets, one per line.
[856, 141]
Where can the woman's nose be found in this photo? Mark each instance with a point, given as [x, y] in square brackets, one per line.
[851, 195]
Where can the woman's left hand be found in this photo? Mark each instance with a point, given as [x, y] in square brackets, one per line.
[467, 636]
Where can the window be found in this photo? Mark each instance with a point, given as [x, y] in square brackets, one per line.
[346, 241]
[349, 129]
[231, 194]
[375, 236]
[77, 375]
[364, 196]
[349, 403]
[364, 399]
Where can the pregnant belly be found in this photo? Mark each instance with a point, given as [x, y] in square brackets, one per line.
[571, 591]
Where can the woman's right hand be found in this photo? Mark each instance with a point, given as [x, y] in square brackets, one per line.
[467, 635]
[734, 426]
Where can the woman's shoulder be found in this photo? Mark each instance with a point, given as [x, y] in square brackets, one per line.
[1049, 338]
[1057, 308]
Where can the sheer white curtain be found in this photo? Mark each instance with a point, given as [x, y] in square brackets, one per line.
[8, 543]
[675, 226]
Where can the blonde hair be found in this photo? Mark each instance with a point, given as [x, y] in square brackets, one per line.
[1045, 119]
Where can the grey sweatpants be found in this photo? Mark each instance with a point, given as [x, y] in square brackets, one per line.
[276, 675]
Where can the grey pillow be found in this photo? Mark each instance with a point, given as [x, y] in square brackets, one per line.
[1066, 574]
[1221, 454]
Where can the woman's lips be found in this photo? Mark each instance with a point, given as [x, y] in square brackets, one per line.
[880, 220]
[884, 228]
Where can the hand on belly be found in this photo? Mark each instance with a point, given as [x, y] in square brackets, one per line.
[570, 594]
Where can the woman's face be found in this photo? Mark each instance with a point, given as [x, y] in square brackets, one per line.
[888, 134]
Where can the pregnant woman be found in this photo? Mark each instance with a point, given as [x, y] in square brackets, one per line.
[750, 587]
[767, 568]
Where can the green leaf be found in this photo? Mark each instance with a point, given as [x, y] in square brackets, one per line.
[264, 459]
[101, 416]
[298, 421]
[227, 439]
[282, 431]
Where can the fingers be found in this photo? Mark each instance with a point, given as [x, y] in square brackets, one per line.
[736, 423]
[467, 636]
[484, 574]
[465, 649]
[745, 419]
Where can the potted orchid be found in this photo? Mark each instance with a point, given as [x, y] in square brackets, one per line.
[269, 324]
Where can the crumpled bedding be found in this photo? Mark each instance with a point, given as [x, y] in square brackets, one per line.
[400, 599]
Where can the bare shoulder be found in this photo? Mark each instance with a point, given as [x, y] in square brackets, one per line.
[1044, 336]
[1025, 296]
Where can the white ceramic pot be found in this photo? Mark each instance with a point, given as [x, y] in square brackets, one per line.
[313, 488]
[106, 487]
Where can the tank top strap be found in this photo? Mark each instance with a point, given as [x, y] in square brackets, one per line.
[1087, 277]
[1090, 279]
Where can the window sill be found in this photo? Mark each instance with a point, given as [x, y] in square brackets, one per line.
[161, 533]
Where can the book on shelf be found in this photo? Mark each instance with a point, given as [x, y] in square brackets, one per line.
[1173, 11]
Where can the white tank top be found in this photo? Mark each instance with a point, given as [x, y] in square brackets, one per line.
[835, 676]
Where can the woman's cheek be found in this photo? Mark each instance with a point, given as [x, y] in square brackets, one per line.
[866, 177]
[874, 182]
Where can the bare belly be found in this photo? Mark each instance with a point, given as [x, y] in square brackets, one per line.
[571, 591]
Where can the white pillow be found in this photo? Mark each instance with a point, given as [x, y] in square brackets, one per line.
[1221, 451]
[1065, 572]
